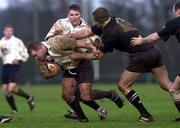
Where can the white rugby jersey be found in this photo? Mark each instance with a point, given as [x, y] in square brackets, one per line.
[12, 49]
[65, 26]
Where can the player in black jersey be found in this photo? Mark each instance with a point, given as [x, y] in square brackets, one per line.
[171, 28]
[116, 33]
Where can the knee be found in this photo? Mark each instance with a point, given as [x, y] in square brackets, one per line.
[85, 92]
[68, 98]
[12, 88]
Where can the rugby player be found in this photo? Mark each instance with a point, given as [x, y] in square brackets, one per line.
[172, 27]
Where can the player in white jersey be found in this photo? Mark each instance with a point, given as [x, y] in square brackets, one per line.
[13, 54]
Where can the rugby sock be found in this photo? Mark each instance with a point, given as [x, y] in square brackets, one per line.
[21, 93]
[134, 99]
[99, 94]
[177, 104]
[92, 104]
[11, 102]
[77, 109]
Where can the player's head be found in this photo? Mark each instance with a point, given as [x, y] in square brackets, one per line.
[8, 31]
[37, 50]
[176, 9]
[74, 14]
[101, 16]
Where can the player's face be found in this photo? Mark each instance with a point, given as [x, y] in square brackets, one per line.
[38, 53]
[176, 12]
[8, 32]
[74, 17]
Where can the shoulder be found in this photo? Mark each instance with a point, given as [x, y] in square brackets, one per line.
[16, 39]
[173, 21]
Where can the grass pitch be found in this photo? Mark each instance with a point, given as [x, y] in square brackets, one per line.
[50, 109]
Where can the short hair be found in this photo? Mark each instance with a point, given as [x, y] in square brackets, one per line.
[74, 7]
[101, 14]
[34, 45]
[176, 6]
[8, 26]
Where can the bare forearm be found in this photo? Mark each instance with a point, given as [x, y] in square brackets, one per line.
[82, 34]
[151, 38]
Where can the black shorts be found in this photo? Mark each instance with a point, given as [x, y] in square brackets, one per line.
[144, 61]
[179, 74]
[84, 73]
[9, 73]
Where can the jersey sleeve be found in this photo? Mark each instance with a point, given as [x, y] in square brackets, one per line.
[57, 27]
[96, 30]
[166, 31]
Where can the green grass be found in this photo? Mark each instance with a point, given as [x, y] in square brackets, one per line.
[50, 109]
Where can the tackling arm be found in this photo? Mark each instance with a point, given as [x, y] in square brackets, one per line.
[82, 34]
[148, 39]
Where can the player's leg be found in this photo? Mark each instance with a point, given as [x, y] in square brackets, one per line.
[125, 86]
[161, 76]
[9, 97]
[85, 80]
[111, 94]
[15, 90]
[19, 92]
[68, 92]
[6, 77]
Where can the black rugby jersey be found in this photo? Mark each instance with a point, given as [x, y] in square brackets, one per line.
[172, 27]
[117, 35]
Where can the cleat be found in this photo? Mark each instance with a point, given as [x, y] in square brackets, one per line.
[145, 119]
[5, 119]
[71, 115]
[83, 120]
[31, 103]
[117, 99]
[102, 113]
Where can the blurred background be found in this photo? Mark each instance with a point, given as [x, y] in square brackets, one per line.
[32, 19]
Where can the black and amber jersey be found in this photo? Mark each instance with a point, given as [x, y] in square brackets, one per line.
[117, 35]
[172, 27]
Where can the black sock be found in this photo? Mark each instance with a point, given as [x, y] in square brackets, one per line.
[77, 109]
[21, 93]
[11, 102]
[92, 104]
[99, 94]
[177, 104]
[133, 97]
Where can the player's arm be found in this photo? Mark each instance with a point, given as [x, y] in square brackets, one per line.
[82, 44]
[82, 34]
[56, 29]
[154, 37]
[87, 56]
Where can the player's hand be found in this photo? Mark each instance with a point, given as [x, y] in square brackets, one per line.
[96, 54]
[136, 40]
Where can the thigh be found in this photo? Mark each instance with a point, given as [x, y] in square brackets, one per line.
[161, 76]
[127, 79]
[85, 72]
